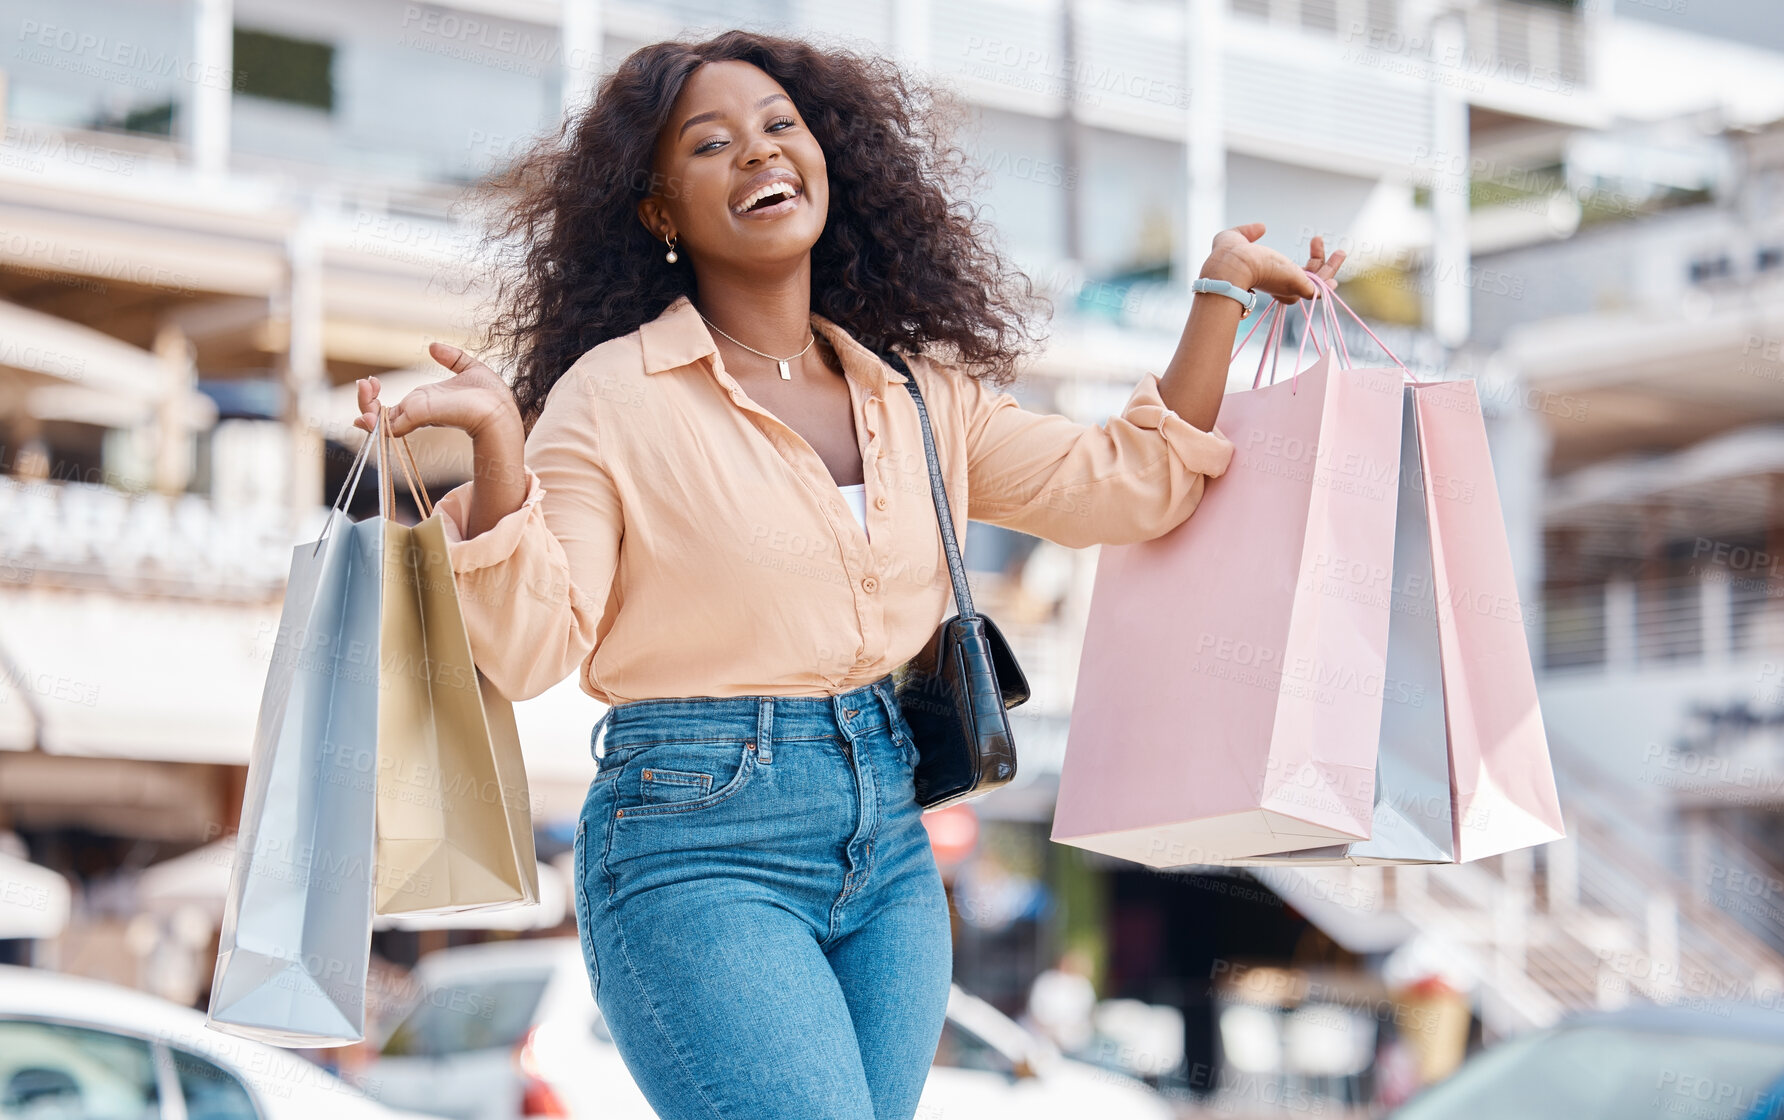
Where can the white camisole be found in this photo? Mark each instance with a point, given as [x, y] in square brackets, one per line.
[857, 499]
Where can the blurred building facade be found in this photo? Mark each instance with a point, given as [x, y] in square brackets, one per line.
[216, 214]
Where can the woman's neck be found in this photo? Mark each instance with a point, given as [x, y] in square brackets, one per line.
[771, 313]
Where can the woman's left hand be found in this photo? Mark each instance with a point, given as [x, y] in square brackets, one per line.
[1238, 258]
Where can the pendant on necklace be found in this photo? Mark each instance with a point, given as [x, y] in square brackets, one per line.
[786, 375]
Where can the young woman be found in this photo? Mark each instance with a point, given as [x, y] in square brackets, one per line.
[711, 265]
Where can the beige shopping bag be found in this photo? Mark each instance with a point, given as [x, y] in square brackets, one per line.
[454, 823]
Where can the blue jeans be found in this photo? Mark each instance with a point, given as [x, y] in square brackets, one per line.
[762, 918]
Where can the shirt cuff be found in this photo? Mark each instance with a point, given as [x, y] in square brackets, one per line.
[501, 539]
[1206, 453]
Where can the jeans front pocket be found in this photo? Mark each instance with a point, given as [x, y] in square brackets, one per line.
[664, 787]
[684, 776]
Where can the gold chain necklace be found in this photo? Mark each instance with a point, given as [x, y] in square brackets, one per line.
[786, 374]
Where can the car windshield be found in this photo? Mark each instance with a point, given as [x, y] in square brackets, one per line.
[1606, 1073]
[468, 1015]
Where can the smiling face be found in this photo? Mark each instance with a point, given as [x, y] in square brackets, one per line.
[743, 181]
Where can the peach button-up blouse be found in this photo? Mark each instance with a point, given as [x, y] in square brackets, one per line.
[676, 539]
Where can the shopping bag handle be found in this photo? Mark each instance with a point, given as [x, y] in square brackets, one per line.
[1273, 342]
[1333, 302]
[1329, 302]
[350, 485]
[423, 501]
[1270, 341]
[411, 473]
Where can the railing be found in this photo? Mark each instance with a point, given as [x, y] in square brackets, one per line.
[1488, 923]
[1674, 620]
[1344, 18]
[1685, 948]
[1596, 920]
[1669, 619]
[1651, 879]
[1540, 45]
[1573, 627]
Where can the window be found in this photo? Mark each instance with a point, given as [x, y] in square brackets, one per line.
[113, 65]
[1319, 15]
[1384, 15]
[478, 1015]
[284, 69]
[49, 1070]
[211, 1092]
[1711, 268]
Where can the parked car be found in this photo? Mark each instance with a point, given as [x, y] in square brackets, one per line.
[78, 1049]
[508, 1030]
[1717, 1063]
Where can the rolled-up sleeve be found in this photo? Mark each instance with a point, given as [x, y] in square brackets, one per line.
[533, 586]
[1132, 478]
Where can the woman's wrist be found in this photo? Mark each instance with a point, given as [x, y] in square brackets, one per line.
[498, 472]
[1228, 267]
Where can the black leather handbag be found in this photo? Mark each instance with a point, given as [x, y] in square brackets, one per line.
[956, 692]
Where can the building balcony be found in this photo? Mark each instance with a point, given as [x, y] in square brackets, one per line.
[1345, 84]
[1628, 627]
[1663, 607]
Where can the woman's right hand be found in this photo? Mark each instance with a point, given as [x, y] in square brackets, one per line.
[1237, 258]
[474, 400]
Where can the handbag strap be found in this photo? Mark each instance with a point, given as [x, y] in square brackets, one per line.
[963, 600]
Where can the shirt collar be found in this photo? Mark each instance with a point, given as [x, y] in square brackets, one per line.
[679, 337]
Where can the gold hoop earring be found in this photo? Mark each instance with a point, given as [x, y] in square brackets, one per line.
[670, 256]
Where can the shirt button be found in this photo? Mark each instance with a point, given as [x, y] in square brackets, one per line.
[870, 585]
[880, 502]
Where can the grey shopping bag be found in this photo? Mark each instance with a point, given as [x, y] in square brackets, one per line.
[1412, 822]
[297, 922]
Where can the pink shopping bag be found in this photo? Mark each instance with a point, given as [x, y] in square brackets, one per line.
[1463, 769]
[1412, 822]
[1502, 781]
[1229, 695]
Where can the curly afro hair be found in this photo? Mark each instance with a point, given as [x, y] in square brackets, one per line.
[905, 261]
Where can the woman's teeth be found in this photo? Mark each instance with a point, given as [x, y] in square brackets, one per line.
[769, 191]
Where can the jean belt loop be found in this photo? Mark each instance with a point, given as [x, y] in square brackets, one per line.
[765, 729]
[595, 734]
[844, 716]
[889, 699]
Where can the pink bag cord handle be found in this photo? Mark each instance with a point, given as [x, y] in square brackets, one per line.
[1261, 320]
[1333, 313]
[1273, 341]
[1329, 305]
[1325, 288]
